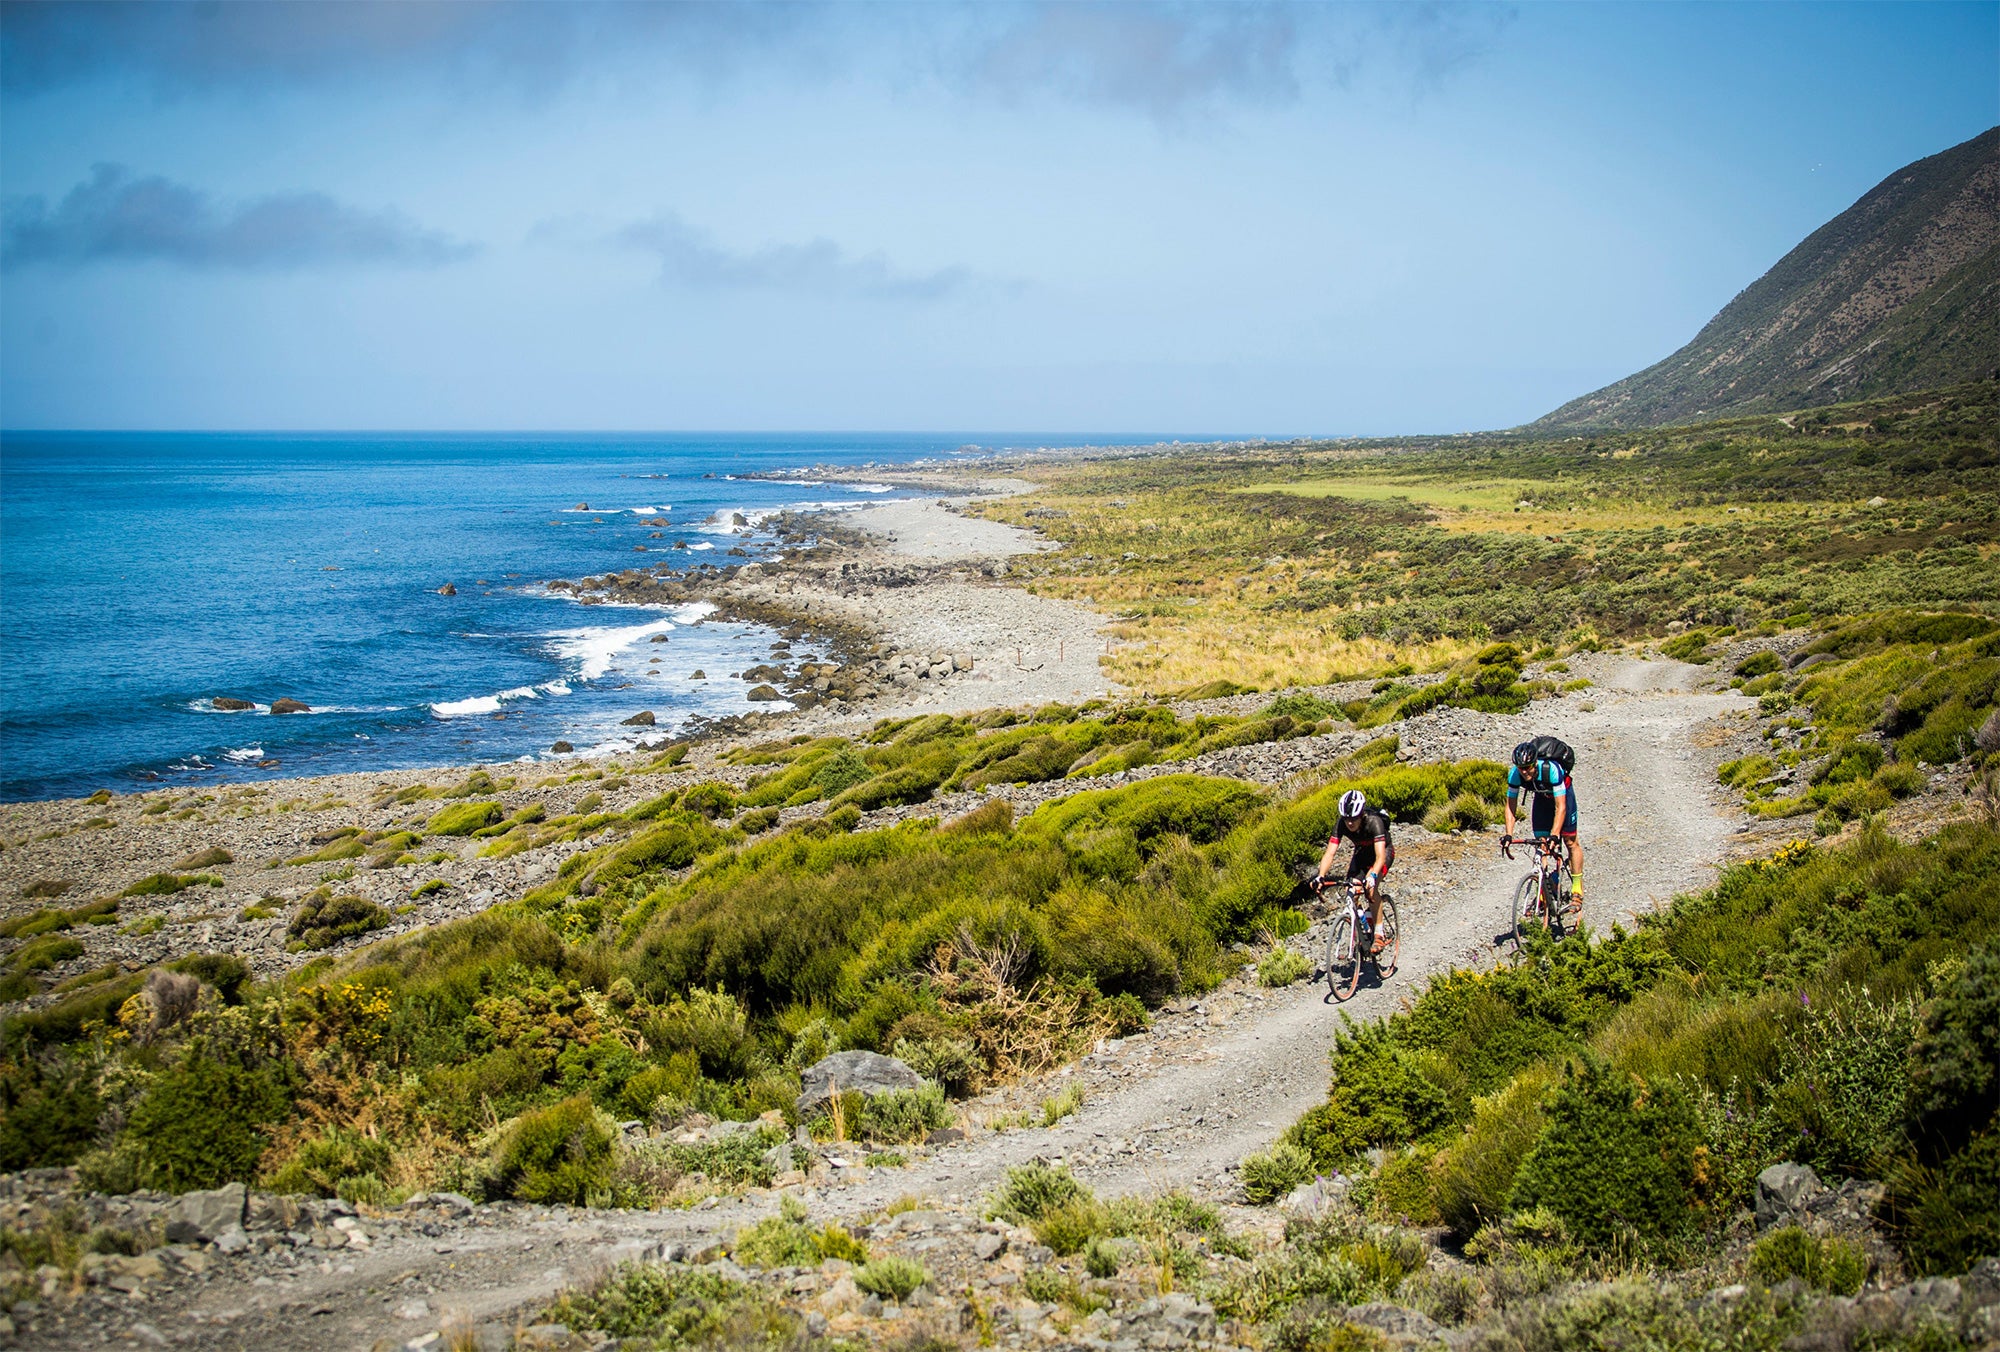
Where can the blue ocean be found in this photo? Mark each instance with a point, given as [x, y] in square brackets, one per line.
[144, 575]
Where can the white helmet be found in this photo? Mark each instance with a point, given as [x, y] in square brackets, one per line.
[1352, 804]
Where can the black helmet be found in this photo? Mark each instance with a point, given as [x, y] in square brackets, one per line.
[1524, 757]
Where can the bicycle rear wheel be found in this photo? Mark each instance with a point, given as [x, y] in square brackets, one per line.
[1527, 905]
[1392, 939]
[1343, 960]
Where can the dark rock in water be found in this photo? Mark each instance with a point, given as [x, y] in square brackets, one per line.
[763, 671]
[561, 748]
[658, 638]
[865, 1073]
[230, 704]
[289, 706]
[740, 552]
[697, 675]
[763, 692]
[642, 719]
[583, 507]
[267, 765]
[447, 590]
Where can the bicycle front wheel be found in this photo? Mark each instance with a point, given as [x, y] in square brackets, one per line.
[1527, 905]
[1391, 936]
[1343, 959]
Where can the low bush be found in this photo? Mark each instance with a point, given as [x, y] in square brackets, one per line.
[1032, 1190]
[1829, 1263]
[561, 1153]
[1271, 1175]
[1617, 1157]
[166, 884]
[462, 819]
[671, 1306]
[783, 1240]
[1282, 966]
[323, 921]
[891, 1278]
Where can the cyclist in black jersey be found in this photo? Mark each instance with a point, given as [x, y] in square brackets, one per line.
[1374, 851]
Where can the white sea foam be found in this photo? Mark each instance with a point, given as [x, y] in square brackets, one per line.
[595, 649]
[244, 755]
[703, 545]
[872, 488]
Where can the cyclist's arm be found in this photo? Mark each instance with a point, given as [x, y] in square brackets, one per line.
[1381, 864]
[1512, 795]
[1562, 809]
[1326, 861]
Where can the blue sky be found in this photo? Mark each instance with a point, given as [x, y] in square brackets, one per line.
[1174, 219]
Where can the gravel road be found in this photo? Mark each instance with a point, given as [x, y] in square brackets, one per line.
[1214, 1080]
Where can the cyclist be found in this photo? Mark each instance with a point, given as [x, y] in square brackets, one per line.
[1374, 851]
[1555, 812]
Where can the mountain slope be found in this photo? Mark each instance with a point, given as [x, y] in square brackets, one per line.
[1899, 292]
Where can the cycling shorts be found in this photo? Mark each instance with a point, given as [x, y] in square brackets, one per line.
[1545, 814]
[1363, 860]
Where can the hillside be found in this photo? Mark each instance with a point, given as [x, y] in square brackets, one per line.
[1899, 292]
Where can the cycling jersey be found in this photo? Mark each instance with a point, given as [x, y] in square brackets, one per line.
[1374, 826]
[1548, 785]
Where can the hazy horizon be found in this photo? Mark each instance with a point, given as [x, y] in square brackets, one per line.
[1288, 220]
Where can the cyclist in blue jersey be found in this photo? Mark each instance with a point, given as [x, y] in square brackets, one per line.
[1555, 811]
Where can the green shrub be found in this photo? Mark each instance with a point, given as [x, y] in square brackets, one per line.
[783, 1240]
[1615, 1158]
[49, 1111]
[1955, 1060]
[1282, 966]
[1069, 1227]
[224, 971]
[337, 1163]
[1472, 1179]
[1270, 1175]
[1759, 664]
[1300, 708]
[672, 1305]
[891, 1278]
[1830, 1264]
[38, 955]
[1946, 1216]
[1032, 1190]
[462, 819]
[207, 858]
[562, 1153]
[1466, 812]
[903, 1116]
[166, 884]
[204, 1122]
[1835, 1103]
[323, 921]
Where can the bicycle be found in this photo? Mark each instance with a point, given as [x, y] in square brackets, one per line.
[1349, 941]
[1542, 896]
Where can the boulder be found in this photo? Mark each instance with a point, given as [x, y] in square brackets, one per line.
[447, 590]
[961, 661]
[763, 692]
[199, 1217]
[1398, 1324]
[1783, 1190]
[697, 675]
[857, 1072]
[642, 719]
[1988, 736]
[657, 638]
[561, 748]
[230, 704]
[289, 706]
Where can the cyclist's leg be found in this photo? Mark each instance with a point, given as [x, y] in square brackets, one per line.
[1570, 824]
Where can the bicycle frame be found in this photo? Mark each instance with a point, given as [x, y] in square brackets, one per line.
[1348, 950]
[1538, 896]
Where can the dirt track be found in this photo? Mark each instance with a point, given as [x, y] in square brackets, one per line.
[1177, 1107]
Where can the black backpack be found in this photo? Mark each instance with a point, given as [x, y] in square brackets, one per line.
[1556, 750]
